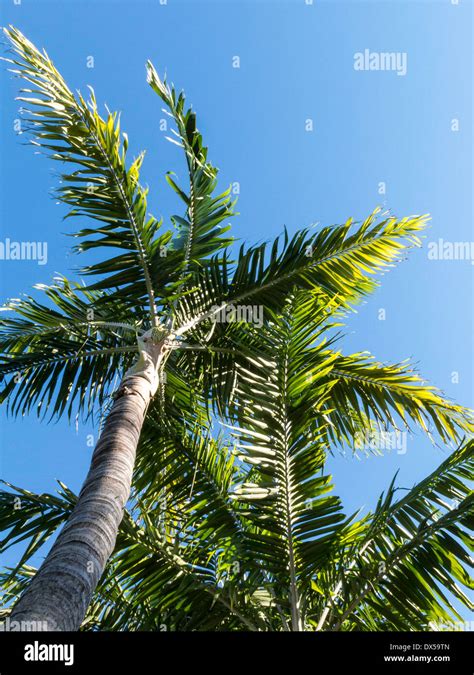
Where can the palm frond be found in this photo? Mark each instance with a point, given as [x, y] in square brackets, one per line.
[63, 356]
[413, 556]
[201, 233]
[25, 515]
[391, 396]
[99, 186]
[288, 496]
[336, 260]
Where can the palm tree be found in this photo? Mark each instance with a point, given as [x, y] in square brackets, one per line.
[154, 299]
[252, 536]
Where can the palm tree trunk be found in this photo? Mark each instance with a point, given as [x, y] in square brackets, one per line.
[59, 594]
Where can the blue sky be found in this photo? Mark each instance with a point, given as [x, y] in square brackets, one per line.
[368, 127]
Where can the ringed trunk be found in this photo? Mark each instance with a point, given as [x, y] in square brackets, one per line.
[58, 596]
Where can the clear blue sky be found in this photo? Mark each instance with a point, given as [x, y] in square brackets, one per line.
[296, 64]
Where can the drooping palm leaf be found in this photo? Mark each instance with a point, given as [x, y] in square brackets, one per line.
[25, 515]
[64, 354]
[391, 396]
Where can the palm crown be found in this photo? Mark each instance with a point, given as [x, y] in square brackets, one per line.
[63, 355]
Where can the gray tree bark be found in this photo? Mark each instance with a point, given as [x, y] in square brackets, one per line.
[58, 596]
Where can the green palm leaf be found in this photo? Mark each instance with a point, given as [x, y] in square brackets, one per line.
[389, 395]
[336, 260]
[64, 355]
[413, 552]
[201, 234]
[99, 186]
